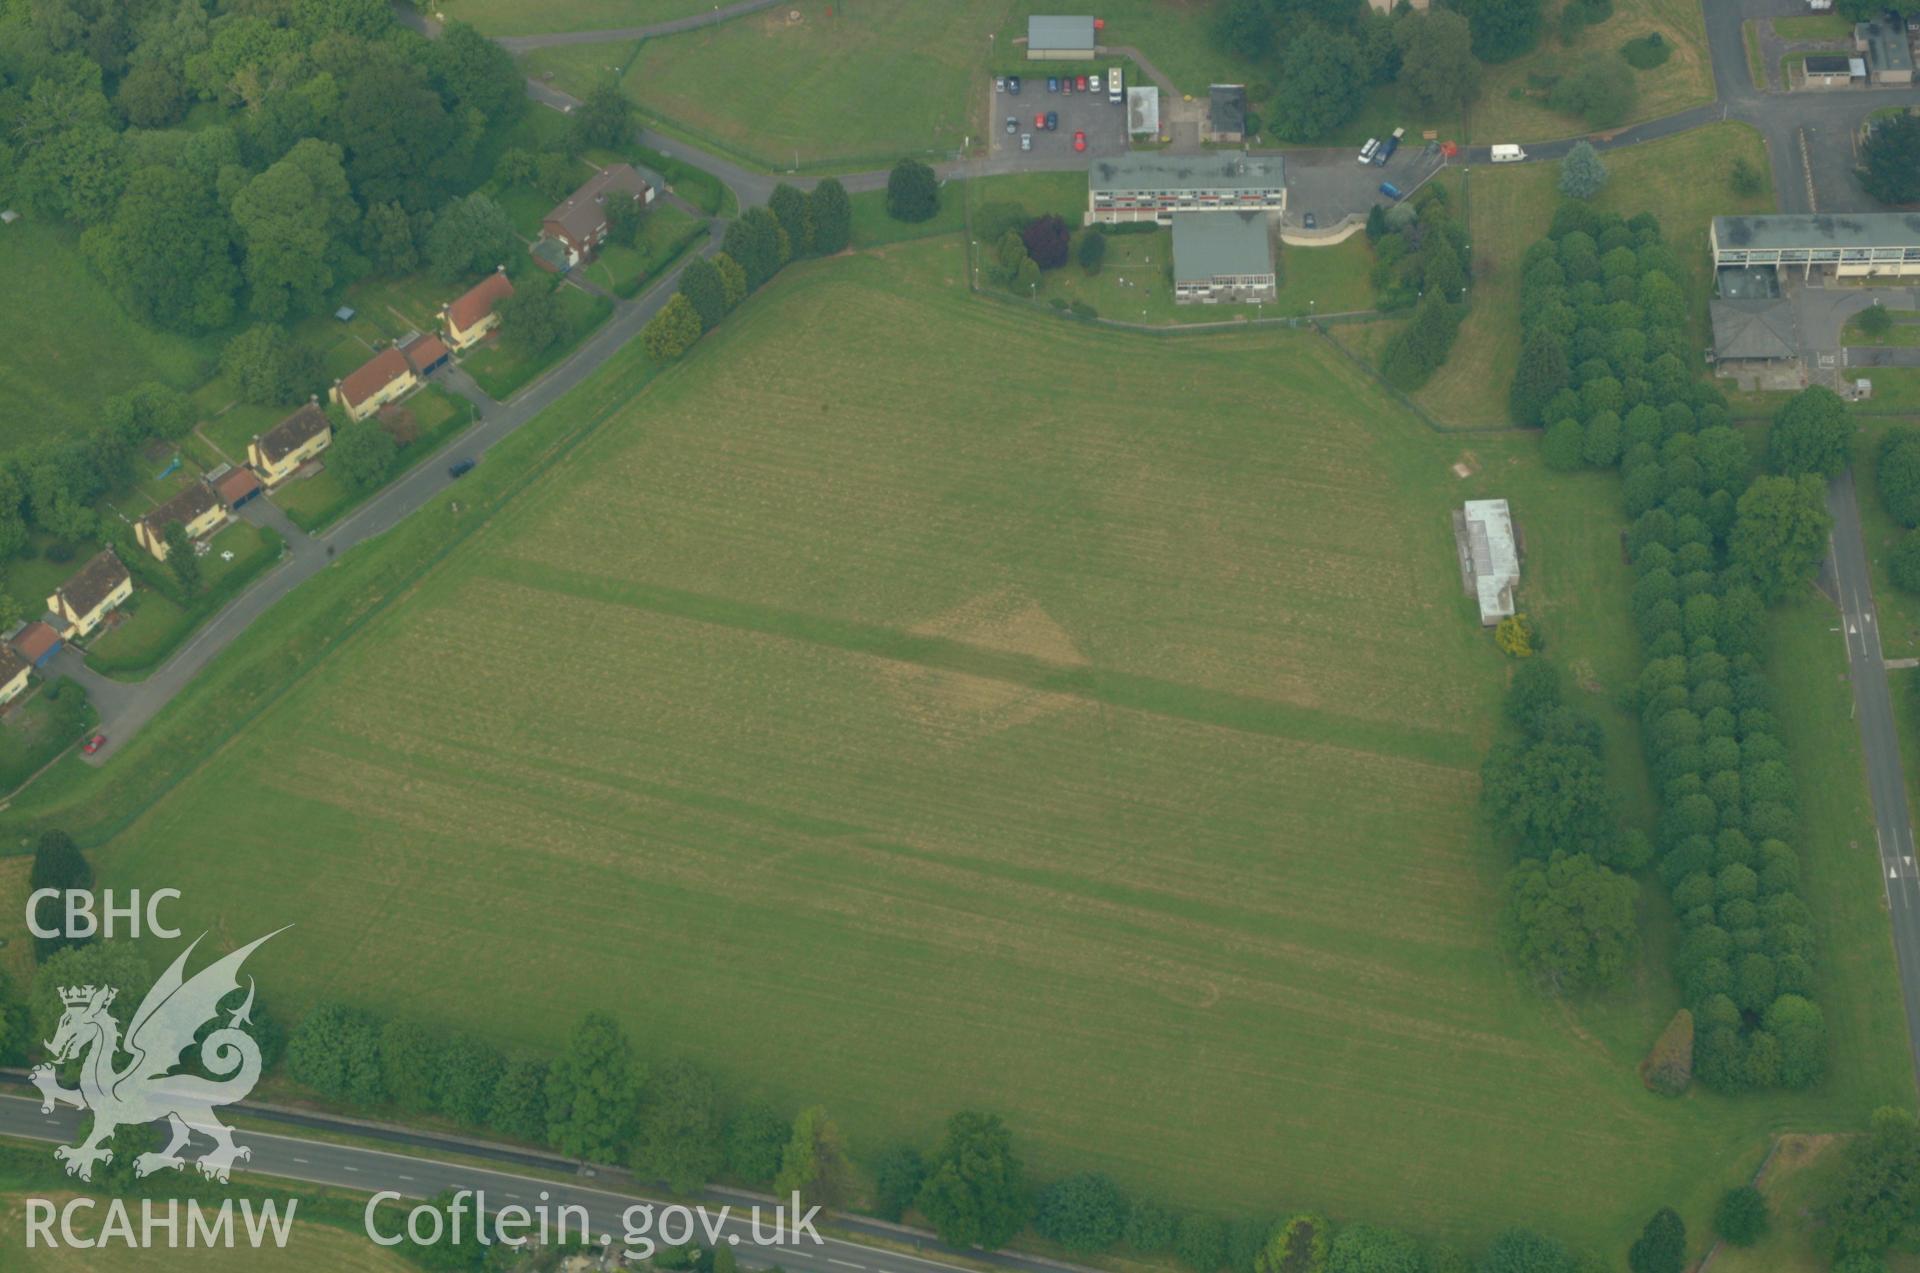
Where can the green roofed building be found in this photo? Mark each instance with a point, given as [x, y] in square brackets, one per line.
[1222, 256]
[1152, 185]
[1846, 244]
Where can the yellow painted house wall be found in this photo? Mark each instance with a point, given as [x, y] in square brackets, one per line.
[152, 541]
[82, 624]
[393, 389]
[11, 690]
[274, 474]
[461, 337]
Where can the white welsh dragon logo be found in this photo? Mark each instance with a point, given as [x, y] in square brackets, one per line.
[145, 1090]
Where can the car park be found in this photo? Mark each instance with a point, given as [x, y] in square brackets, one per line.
[1053, 120]
[1367, 151]
[1079, 141]
[1013, 85]
[1013, 125]
[1053, 83]
[1026, 141]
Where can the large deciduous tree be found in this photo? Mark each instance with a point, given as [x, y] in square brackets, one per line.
[269, 368]
[1322, 81]
[605, 118]
[335, 1050]
[913, 192]
[1811, 434]
[290, 219]
[814, 1162]
[1890, 159]
[679, 1136]
[57, 864]
[592, 1090]
[1780, 532]
[1661, 1246]
[1437, 65]
[1570, 922]
[975, 1193]
[1502, 29]
[361, 454]
[1082, 1213]
[531, 320]
[469, 236]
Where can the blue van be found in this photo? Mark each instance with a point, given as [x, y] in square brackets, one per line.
[1390, 190]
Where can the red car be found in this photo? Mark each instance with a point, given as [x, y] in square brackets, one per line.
[94, 744]
[1039, 119]
[1079, 141]
[1079, 83]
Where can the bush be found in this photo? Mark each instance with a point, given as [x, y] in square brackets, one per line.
[1582, 175]
[1081, 309]
[1092, 252]
[1083, 1213]
[1741, 1218]
[1874, 321]
[1047, 239]
[1646, 52]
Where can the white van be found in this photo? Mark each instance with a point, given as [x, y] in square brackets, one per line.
[1115, 93]
[1508, 154]
[1367, 151]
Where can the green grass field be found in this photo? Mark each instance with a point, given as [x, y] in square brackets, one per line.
[1682, 180]
[874, 726]
[1132, 285]
[69, 344]
[520, 17]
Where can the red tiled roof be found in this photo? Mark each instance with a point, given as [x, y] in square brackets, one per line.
[373, 375]
[236, 486]
[479, 300]
[35, 640]
[424, 351]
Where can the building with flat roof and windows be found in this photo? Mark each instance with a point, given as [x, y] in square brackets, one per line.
[1227, 113]
[1153, 185]
[1846, 245]
[1828, 71]
[1885, 43]
[1053, 38]
[1143, 111]
[1222, 256]
[1489, 556]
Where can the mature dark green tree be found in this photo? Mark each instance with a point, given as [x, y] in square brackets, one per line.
[1903, 563]
[473, 72]
[1801, 1029]
[1570, 922]
[605, 118]
[400, 144]
[1092, 250]
[679, 1132]
[268, 368]
[626, 217]
[291, 219]
[1201, 1243]
[913, 192]
[1419, 349]
[1543, 372]
[1371, 1248]
[1152, 1227]
[672, 331]
[1322, 81]
[335, 1050]
[789, 207]
[700, 283]
[1890, 159]
[470, 1070]
[389, 241]
[57, 864]
[759, 244]
[1247, 1239]
[830, 213]
[1524, 1251]
[1661, 1246]
[114, 963]
[1502, 29]
[1878, 1203]
[180, 557]
[1083, 1213]
[1552, 795]
[168, 252]
[469, 236]
[898, 1173]
[410, 1064]
[519, 1105]
[975, 1193]
[1811, 434]
[814, 1163]
[592, 1091]
[1896, 472]
[1601, 90]
[1741, 1218]
[362, 454]
[152, 95]
[531, 320]
[1437, 65]
[1244, 27]
[1781, 533]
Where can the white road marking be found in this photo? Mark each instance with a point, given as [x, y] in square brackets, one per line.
[845, 1264]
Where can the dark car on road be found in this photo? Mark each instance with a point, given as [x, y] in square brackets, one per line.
[459, 468]
[1053, 83]
[1053, 120]
[1311, 223]
[1013, 125]
[1013, 85]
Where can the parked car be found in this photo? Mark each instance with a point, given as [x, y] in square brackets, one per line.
[1013, 85]
[1066, 83]
[1079, 83]
[1390, 190]
[1053, 120]
[94, 744]
[1388, 146]
[1079, 141]
[999, 84]
[1311, 223]
[1093, 83]
[1366, 151]
[1026, 141]
[459, 468]
[1013, 125]
[1053, 83]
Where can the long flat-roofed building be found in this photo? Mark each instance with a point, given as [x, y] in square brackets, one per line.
[1849, 244]
[1152, 185]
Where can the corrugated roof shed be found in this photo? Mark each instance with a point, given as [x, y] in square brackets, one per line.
[1212, 244]
[1496, 561]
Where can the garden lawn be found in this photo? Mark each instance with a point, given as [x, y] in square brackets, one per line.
[1684, 180]
[1512, 105]
[1071, 750]
[318, 501]
[35, 729]
[501, 373]
[1814, 26]
[1905, 331]
[69, 346]
[666, 233]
